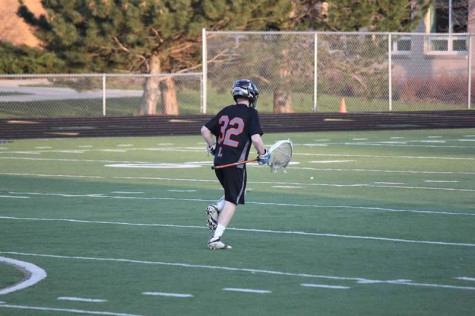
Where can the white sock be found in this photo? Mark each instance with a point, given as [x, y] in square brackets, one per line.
[218, 232]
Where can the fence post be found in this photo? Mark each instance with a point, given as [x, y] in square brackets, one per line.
[103, 94]
[315, 73]
[390, 75]
[204, 66]
[469, 97]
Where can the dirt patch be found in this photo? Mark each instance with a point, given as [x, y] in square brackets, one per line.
[13, 29]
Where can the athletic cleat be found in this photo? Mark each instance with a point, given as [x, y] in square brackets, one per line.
[212, 217]
[218, 244]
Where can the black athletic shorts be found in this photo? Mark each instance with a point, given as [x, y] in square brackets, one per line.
[233, 180]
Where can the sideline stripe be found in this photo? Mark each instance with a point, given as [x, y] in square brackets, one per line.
[167, 294]
[80, 299]
[74, 311]
[248, 270]
[338, 287]
[34, 275]
[369, 208]
[230, 289]
[14, 197]
[253, 230]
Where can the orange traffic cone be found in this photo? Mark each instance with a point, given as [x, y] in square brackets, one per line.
[342, 106]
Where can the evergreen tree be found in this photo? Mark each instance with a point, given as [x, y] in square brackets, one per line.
[356, 15]
[149, 36]
[25, 60]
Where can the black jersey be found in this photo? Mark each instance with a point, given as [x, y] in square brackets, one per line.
[233, 127]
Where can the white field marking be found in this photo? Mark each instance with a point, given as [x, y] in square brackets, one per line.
[81, 299]
[403, 144]
[465, 278]
[389, 183]
[167, 294]
[2, 302]
[321, 139]
[125, 145]
[369, 208]
[287, 187]
[49, 175]
[315, 145]
[396, 137]
[127, 192]
[155, 165]
[386, 156]
[85, 146]
[253, 230]
[337, 287]
[383, 171]
[434, 136]
[165, 144]
[433, 141]
[359, 139]
[184, 191]
[43, 147]
[330, 161]
[247, 270]
[230, 289]
[114, 150]
[466, 140]
[72, 151]
[65, 310]
[33, 275]
[14, 197]
[441, 181]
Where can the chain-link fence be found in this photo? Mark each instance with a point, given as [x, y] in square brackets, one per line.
[317, 71]
[300, 72]
[93, 95]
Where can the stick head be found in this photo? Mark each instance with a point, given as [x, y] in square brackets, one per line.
[281, 154]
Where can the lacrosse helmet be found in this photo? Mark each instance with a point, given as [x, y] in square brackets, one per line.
[246, 89]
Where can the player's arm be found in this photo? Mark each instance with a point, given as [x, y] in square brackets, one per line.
[209, 139]
[258, 144]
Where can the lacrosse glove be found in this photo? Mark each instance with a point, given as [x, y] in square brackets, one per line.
[264, 159]
[211, 149]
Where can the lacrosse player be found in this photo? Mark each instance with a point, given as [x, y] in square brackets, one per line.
[229, 135]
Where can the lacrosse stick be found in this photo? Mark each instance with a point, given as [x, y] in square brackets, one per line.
[280, 156]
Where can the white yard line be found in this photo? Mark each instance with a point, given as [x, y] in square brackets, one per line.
[358, 280]
[64, 310]
[81, 299]
[337, 287]
[465, 278]
[369, 208]
[167, 294]
[254, 291]
[254, 230]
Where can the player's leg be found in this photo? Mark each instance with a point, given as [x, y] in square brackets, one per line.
[212, 213]
[234, 184]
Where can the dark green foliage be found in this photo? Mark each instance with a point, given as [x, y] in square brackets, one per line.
[356, 15]
[122, 35]
[24, 59]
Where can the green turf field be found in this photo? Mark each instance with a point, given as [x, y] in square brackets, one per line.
[362, 223]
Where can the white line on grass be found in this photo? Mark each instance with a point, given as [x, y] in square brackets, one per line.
[81, 299]
[337, 287]
[441, 181]
[14, 197]
[465, 279]
[230, 289]
[264, 231]
[247, 270]
[167, 294]
[368, 208]
[65, 310]
[34, 274]
[385, 156]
